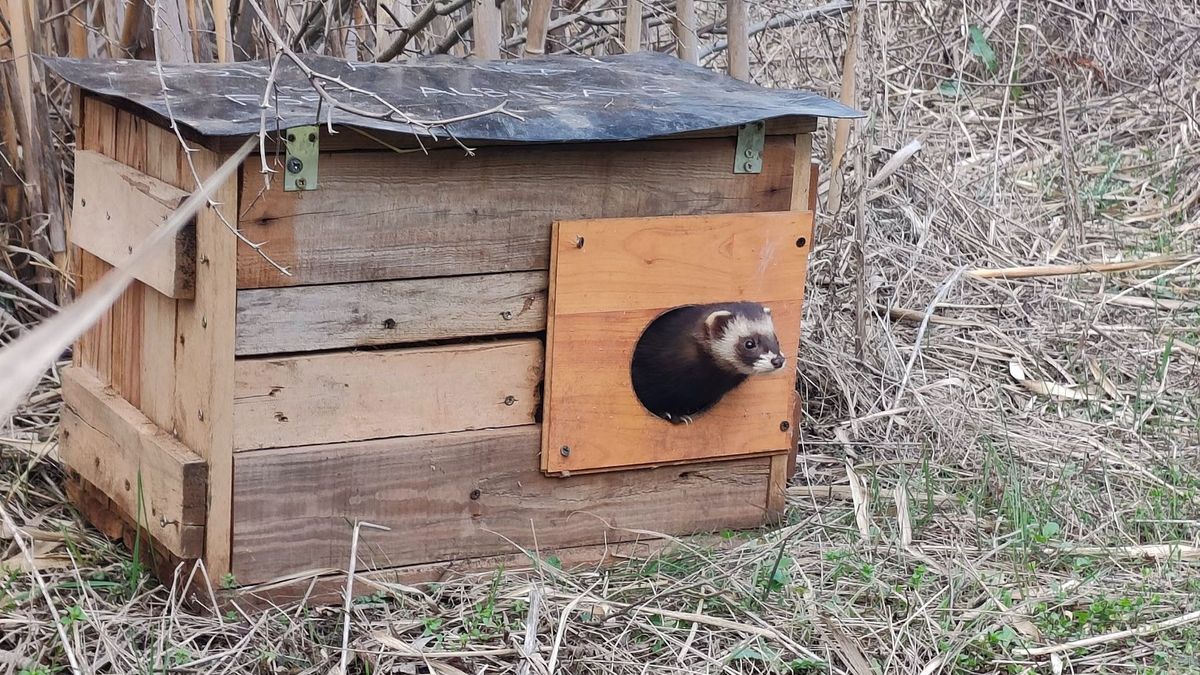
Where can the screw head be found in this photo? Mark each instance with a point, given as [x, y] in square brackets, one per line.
[300, 183]
[801, 242]
[785, 425]
[476, 494]
[510, 400]
[565, 451]
[578, 242]
[294, 165]
[749, 154]
[506, 315]
[749, 166]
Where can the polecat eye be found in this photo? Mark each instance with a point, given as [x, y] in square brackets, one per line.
[748, 344]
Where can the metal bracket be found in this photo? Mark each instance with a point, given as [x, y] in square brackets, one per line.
[749, 157]
[300, 165]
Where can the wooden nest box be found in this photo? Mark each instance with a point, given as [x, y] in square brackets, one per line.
[449, 354]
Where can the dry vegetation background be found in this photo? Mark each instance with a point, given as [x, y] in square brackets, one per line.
[998, 473]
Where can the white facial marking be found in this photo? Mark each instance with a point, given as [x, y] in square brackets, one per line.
[764, 365]
[725, 348]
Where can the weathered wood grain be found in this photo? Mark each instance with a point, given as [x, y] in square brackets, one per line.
[456, 496]
[117, 207]
[203, 404]
[390, 216]
[310, 318]
[114, 446]
[605, 293]
[347, 396]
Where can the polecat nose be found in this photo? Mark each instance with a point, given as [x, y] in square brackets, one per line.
[777, 361]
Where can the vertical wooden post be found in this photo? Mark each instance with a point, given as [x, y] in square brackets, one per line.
[539, 19]
[804, 198]
[737, 33]
[633, 26]
[204, 355]
[687, 44]
[486, 30]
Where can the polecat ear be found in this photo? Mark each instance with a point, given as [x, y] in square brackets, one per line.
[715, 322]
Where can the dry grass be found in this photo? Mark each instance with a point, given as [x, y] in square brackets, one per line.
[1005, 466]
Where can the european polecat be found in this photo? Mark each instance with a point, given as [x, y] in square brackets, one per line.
[691, 356]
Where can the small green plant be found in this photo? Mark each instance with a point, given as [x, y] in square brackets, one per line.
[73, 615]
[981, 49]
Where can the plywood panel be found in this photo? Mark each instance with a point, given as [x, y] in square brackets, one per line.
[388, 216]
[345, 396]
[117, 207]
[455, 496]
[310, 318]
[114, 446]
[603, 295]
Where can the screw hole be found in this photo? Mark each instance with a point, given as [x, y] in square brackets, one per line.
[476, 494]
[291, 138]
[389, 324]
[312, 138]
[801, 242]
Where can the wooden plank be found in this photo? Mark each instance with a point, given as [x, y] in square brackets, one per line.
[127, 316]
[336, 316]
[112, 445]
[157, 365]
[606, 292]
[347, 396]
[203, 413]
[462, 495]
[117, 207]
[656, 263]
[539, 20]
[804, 197]
[321, 587]
[358, 227]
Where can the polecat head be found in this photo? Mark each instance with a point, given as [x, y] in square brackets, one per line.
[741, 338]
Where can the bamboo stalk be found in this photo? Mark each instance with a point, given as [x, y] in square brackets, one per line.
[485, 32]
[686, 42]
[1034, 271]
[539, 19]
[841, 134]
[738, 35]
[221, 23]
[133, 21]
[77, 33]
[633, 26]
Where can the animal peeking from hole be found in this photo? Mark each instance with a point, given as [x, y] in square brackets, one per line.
[689, 357]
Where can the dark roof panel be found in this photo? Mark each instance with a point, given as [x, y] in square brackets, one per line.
[558, 98]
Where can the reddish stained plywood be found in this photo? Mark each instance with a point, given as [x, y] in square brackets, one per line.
[627, 272]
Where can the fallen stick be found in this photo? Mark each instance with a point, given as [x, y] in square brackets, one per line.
[1034, 271]
[1147, 629]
